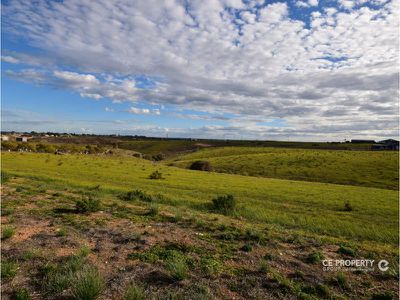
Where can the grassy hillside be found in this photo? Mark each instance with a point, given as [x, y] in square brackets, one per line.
[313, 207]
[362, 168]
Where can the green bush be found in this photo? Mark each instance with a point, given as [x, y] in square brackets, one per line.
[224, 204]
[88, 204]
[134, 292]
[201, 165]
[87, 284]
[156, 175]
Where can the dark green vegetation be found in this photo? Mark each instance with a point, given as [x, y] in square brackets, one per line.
[361, 168]
[97, 227]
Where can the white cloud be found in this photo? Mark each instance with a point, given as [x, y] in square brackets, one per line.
[10, 59]
[341, 71]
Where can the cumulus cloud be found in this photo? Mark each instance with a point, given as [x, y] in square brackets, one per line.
[247, 59]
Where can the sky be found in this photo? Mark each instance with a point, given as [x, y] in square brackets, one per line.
[300, 70]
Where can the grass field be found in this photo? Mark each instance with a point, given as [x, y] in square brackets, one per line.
[362, 168]
[175, 245]
[313, 207]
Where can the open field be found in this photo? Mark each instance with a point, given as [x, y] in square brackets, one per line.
[362, 168]
[172, 244]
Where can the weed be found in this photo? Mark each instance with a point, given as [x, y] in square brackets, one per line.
[156, 175]
[7, 233]
[87, 284]
[210, 266]
[264, 266]
[177, 268]
[247, 247]
[21, 294]
[341, 280]
[224, 204]
[8, 269]
[88, 204]
[61, 231]
[347, 206]
[315, 257]
[134, 292]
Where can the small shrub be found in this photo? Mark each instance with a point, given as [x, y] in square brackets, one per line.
[322, 290]
[347, 251]
[8, 269]
[21, 294]
[177, 268]
[153, 210]
[201, 165]
[88, 204]
[61, 232]
[87, 284]
[134, 292]
[254, 235]
[156, 175]
[264, 266]
[347, 206]
[247, 247]
[7, 233]
[158, 157]
[224, 204]
[315, 257]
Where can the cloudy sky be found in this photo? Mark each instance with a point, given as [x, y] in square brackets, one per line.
[248, 69]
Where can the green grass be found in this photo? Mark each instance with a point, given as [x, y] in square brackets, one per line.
[87, 284]
[309, 207]
[134, 292]
[7, 232]
[8, 269]
[362, 168]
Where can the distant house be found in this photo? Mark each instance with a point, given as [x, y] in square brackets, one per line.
[23, 138]
[363, 141]
[5, 138]
[389, 144]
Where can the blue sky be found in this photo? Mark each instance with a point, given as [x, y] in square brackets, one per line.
[282, 70]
